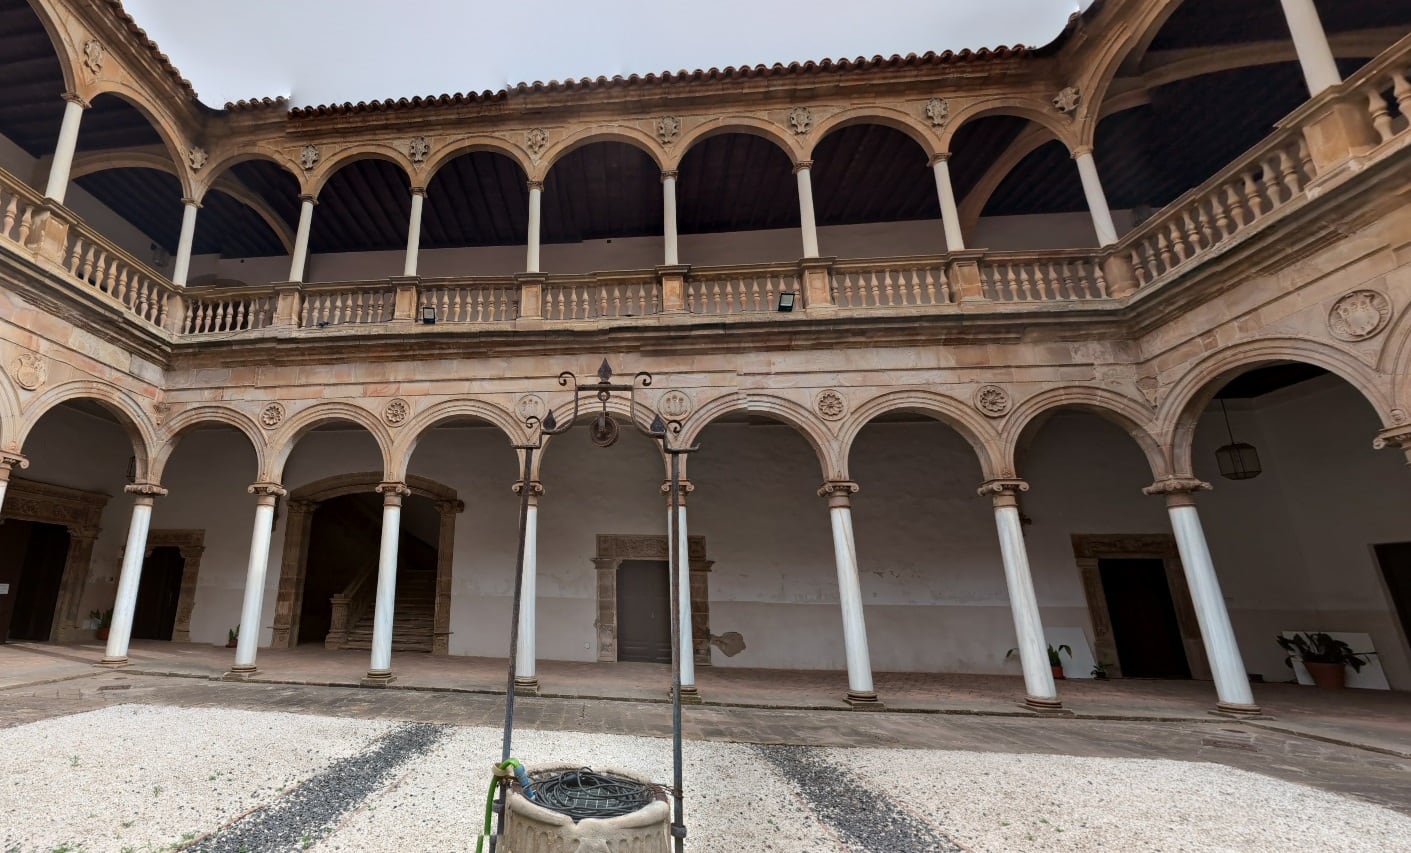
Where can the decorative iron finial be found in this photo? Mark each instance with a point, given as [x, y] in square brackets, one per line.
[605, 372]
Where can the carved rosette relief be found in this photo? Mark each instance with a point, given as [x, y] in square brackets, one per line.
[308, 158]
[396, 412]
[830, 405]
[1359, 315]
[536, 140]
[937, 112]
[668, 127]
[272, 415]
[531, 406]
[418, 148]
[30, 371]
[801, 119]
[992, 401]
[93, 55]
[674, 404]
[1066, 101]
[197, 157]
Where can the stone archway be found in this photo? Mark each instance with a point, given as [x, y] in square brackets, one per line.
[302, 503]
[613, 549]
[191, 544]
[79, 512]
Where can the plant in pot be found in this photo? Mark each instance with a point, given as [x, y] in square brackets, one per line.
[1100, 670]
[103, 620]
[1054, 660]
[232, 637]
[1325, 658]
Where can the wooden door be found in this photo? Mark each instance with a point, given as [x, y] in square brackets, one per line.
[643, 611]
[154, 617]
[32, 557]
[1143, 615]
[1395, 560]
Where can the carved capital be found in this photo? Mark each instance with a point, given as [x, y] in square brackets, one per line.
[1178, 491]
[311, 199]
[536, 185]
[941, 157]
[9, 461]
[669, 175]
[686, 488]
[1004, 491]
[75, 98]
[536, 488]
[802, 165]
[267, 490]
[393, 492]
[838, 492]
[1397, 436]
[145, 490]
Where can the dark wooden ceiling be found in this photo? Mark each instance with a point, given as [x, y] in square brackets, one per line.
[479, 199]
[1209, 23]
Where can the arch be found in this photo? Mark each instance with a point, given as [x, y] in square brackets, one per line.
[831, 462]
[590, 136]
[748, 125]
[283, 442]
[411, 433]
[130, 415]
[367, 151]
[1029, 140]
[588, 408]
[1010, 105]
[1150, 17]
[896, 119]
[10, 418]
[1188, 398]
[961, 417]
[48, 17]
[176, 428]
[90, 162]
[224, 162]
[1132, 416]
[353, 484]
[471, 145]
[138, 100]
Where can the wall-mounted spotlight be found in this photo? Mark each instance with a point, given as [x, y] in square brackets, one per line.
[428, 315]
[786, 301]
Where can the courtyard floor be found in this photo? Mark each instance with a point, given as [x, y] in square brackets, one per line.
[136, 759]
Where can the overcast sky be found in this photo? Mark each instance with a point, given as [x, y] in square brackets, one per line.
[330, 51]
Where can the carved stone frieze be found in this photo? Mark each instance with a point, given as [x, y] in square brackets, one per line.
[272, 415]
[418, 148]
[1359, 315]
[30, 371]
[801, 120]
[668, 128]
[308, 158]
[396, 412]
[937, 112]
[992, 401]
[830, 405]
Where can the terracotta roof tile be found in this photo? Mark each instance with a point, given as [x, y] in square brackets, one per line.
[243, 106]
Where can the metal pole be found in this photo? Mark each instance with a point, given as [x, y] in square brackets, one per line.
[678, 825]
[514, 630]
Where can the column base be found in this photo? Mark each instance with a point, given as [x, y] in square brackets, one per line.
[690, 694]
[864, 700]
[1237, 709]
[526, 685]
[113, 663]
[377, 678]
[240, 672]
[1043, 703]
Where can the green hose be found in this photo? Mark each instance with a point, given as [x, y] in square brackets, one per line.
[490, 798]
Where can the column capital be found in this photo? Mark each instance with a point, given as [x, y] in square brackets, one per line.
[1178, 491]
[1082, 151]
[669, 175]
[536, 488]
[803, 166]
[267, 490]
[191, 202]
[9, 461]
[938, 157]
[1395, 436]
[75, 98]
[686, 488]
[1005, 492]
[306, 197]
[421, 191]
[838, 492]
[152, 490]
[535, 185]
[392, 492]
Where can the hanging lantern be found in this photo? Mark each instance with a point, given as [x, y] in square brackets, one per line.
[1237, 460]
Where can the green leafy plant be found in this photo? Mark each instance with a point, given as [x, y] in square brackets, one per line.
[1054, 659]
[1320, 647]
[104, 618]
[233, 634]
[1100, 669]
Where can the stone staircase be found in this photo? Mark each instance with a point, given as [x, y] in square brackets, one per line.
[413, 618]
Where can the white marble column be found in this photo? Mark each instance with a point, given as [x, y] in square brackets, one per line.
[526, 673]
[120, 631]
[1320, 70]
[1216, 632]
[839, 494]
[668, 217]
[380, 670]
[950, 215]
[188, 235]
[1040, 691]
[301, 237]
[248, 643]
[58, 185]
[689, 692]
[1097, 199]
[8, 462]
[414, 231]
[536, 199]
[802, 169]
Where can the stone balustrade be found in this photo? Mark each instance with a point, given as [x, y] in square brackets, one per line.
[1042, 277]
[739, 290]
[213, 310]
[891, 282]
[341, 304]
[591, 297]
[474, 300]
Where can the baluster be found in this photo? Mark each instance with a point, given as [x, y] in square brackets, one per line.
[144, 296]
[76, 256]
[1288, 172]
[1064, 282]
[1236, 205]
[1252, 196]
[837, 289]
[117, 277]
[1401, 90]
[771, 292]
[26, 223]
[1273, 188]
[1221, 218]
[87, 271]
[1163, 248]
[1381, 115]
[1200, 232]
[1100, 280]
[11, 212]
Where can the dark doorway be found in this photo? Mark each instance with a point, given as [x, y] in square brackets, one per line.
[154, 615]
[643, 611]
[1395, 560]
[1144, 625]
[32, 556]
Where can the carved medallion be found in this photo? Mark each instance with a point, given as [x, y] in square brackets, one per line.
[396, 411]
[801, 119]
[93, 55]
[1067, 100]
[938, 112]
[531, 406]
[272, 415]
[30, 371]
[830, 405]
[1398, 416]
[674, 404]
[197, 157]
[308, 158]
[418, 148]
[667, 129]
[992, 401]
[1359, 315]
[1151, 390]
[536, 141]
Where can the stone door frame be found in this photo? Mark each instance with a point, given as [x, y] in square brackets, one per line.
[613, 549]
[191, 544]
[1088, 549]
[293, 566]
[78, 511]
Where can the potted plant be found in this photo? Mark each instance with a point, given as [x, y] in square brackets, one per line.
[1325, 658]
[1100, 670]
[232, 637]
[1054, 660]
[103, 620]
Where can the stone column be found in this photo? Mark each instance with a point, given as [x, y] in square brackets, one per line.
[414, 231]
[8, 461]
[1039, 688]
[183, 247]
[1218, 635]
[301, 237]
[536, 193]
[120, 632]
[248, 643]
[445, 563]
[1097, 199]
[950, 215]
[1320, 70]
[58, 185]
[810, 230]
[526, 677]
[380, 670]
[668, 216]
[689, 692]
[839, 494]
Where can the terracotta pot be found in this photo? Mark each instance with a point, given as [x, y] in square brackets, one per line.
[101, 634]
[1330, 676]
[230, 645]
[1058, 671]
